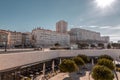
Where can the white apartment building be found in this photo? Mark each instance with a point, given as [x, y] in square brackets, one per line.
[78, 34]
[47, 38]
[105, 39]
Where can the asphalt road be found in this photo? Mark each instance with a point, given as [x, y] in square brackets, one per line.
[15, 50]
[2, 51]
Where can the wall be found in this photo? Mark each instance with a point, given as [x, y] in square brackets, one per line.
[19, 59]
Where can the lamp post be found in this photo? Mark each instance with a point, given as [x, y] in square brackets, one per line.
[4, 38]
[6, 46]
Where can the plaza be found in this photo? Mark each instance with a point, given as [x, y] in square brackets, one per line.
[65, 76]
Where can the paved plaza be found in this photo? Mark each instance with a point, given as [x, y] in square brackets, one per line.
[74, 76]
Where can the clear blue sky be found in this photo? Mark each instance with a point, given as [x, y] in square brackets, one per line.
[24, 15]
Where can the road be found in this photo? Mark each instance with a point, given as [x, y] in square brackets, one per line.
[15, 50]
[21, 50]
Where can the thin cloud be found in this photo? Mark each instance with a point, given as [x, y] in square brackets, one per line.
[111, 27]
[79, 27]
[116, 27]
[100, 27]
[93, 26]
[105, 27]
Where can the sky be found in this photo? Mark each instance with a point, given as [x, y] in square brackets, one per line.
[25, 15]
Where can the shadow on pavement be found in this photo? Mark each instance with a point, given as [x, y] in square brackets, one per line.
[75, 76]
[67, 78]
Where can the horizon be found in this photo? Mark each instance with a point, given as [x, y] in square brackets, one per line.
[23, 16]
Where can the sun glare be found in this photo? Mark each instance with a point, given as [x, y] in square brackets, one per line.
[104, 3]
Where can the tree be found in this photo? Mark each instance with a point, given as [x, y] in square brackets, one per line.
[115, 45]
[56, 44]
[84, 57]
[101, 45]
[106, 62]
[79, 61]
[68, 65]
[109, 46]
[106, 57]
[82, 45]
[93, 46]
[102, 73]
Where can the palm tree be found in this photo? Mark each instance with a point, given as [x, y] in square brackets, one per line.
[106, 62]
[68, 66]
[84, 57]
[79, 61]
[102, 73]
[106, 57]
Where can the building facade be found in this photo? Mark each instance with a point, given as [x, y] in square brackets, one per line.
[78, 35]
[27, 39]
[3, 38]
[105, 39]
[47, 38]
[61, 26]
[14, 39]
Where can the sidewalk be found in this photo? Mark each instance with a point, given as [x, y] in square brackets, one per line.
[65, 76]
[60, 76]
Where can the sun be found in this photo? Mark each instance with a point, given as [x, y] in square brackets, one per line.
[104, 3]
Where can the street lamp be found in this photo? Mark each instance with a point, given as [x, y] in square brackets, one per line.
[6, 46]
[3, 38]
